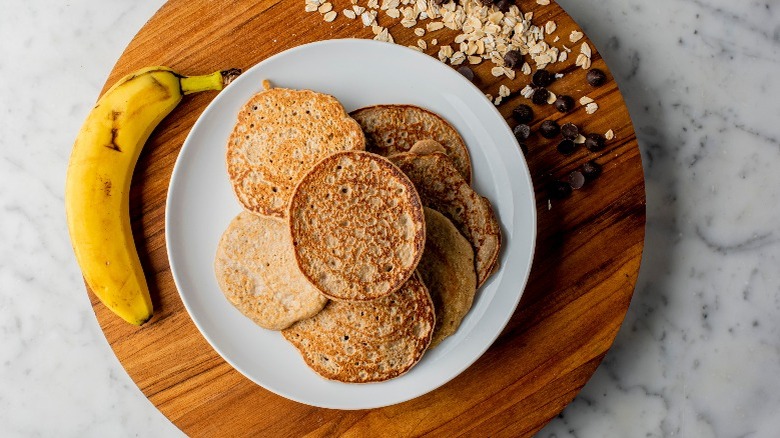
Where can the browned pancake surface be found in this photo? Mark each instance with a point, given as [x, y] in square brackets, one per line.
[372, 341]
[393, 129]
[279, 135]
[357, 225]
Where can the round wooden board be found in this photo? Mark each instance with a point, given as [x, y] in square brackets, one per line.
[587, 258]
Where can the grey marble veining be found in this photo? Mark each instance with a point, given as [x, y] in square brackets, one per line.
[699, 352]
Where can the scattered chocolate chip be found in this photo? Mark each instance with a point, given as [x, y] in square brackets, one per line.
[570, 131]
[523, 114]
[576, 180]
[540, 96]
[594, 142]
[596, 77]
[522, 132]
[466, 72]
[513, 59]
[591, 170]
[564, 104]
[543, 78]
[549, 129]
[503, 5]
[567, 147]
[559, 189]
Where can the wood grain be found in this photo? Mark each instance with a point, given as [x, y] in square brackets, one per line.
[588, 250]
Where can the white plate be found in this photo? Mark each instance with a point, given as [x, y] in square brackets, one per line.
[358, 73]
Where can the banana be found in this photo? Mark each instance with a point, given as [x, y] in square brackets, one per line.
[97, 187]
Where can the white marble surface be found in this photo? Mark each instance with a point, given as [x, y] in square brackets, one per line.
[699, 353]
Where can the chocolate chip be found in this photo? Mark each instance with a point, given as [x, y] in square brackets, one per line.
[503, 5]
[570, 131]
[543, 78]
[576, 180]
[522, 132]
[559, 189]
[567, 147]
[523, 114]
[564, 104]
[466, 72]
[596, 77]
[594, 142]
[540, 96]
[549, 129]
[513, 59]
[487, 2]
[591, 170]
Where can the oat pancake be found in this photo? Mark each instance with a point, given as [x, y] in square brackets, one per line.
[279, 135]
[442, 188]
[427, 147]
[256, 270]
[447, 269]
[357, 225]
[393, 129]
[370, 341]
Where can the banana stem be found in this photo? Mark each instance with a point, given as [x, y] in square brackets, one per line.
[214, 81]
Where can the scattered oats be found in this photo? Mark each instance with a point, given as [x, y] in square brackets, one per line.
[376, 29]
[419, 31]
[580, 139]
[575, 36]
[550, 27]
[325, 7]
[349, 13]
[557, 38]
[580, 62]
[310, 7]
[509, 73]
[563, 56]
[434, 42]
[527, 92]
[393, 13]
[408, 22]
[497, 71]
[421, 44]
[389, 4]
[358, 9]
[330, 16]
[353, 2]
[609, 135]
[591, 107]
[585, 50]
[526, 69]
[558, 75]
[373, 4]
[568, 50]
[457, 58]
[543, 2]
[549, 205]
[415, 48]
[551, 98]
[464, 47]
[474, 59]
[368, 18]
[444, 53]
[498, 100]
[460, 38]
[503, 91]
[529, 16]
[584, 100]
[434, 26]
[489, 97]
[384, 36]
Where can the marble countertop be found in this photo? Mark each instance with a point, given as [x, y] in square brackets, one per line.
[699, 352]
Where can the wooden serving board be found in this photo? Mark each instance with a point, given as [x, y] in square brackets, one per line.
[587, 258]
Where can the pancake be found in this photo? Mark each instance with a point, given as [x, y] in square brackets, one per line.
[447, 269]
[256, 271]
[427, 147]
[371, 341]
[393, 129]
[442, 188]
[357, 226]
[279, 135]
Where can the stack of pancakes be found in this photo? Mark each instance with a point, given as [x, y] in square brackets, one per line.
[361, 238]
